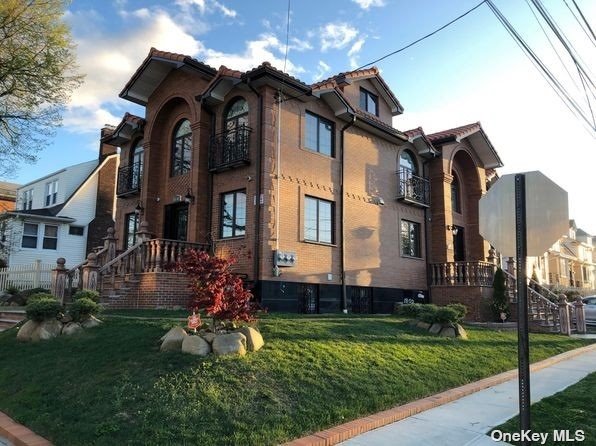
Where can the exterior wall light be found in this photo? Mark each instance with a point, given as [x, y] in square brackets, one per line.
[454, 229]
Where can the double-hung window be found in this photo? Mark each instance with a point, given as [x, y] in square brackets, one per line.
[51, 192]
[318, 220]
[33, 231]
[369, 102]
[410, 239]
[319, 134]
[50, 237]
[28, 199]
[233, 214]
[30, 235]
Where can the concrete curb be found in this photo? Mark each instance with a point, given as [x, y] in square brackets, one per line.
[18, 434]
[351, 429]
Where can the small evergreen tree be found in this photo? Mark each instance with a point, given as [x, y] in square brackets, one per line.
[500, 302]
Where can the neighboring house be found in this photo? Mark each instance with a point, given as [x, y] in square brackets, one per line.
[63, 214]
[325, 204]
[8, 196]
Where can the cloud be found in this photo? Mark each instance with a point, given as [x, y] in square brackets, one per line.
[354, 50]
[86, 120]
[206, 7]
[266, 48]
[225, 10]
[337, 36]
[365, 4]
[322, 70]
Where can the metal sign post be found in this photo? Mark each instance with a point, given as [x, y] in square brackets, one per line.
[523, 348]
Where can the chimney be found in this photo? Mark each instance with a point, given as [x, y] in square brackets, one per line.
[106, 149]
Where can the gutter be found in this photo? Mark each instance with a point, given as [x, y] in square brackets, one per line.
[344, 291]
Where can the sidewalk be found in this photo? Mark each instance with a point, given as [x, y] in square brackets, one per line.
[461, 416]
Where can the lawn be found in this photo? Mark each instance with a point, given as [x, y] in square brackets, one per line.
[571, 409]
[111, 385]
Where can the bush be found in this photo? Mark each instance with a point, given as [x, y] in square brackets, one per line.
[82, 308]
[446, 315]
[428, 313]
[42, 308]
[86, 294]
[500, 301]
[408, 310]
[461, 310]
[39, 296]
[11, 290]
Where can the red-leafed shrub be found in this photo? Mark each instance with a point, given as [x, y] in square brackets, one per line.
[216, 290]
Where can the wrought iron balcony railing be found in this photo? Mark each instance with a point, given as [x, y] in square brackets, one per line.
[130, 179]
[230, 149]
[412, 188]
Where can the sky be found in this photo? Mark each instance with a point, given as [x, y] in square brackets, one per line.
[471, 71]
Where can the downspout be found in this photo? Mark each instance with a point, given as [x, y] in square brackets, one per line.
[211, 238]
[258, 185]
[426, 170]
[344, 291]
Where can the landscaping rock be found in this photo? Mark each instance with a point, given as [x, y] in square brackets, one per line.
[26, 330]
[435, 328]
[172, 340]
[423, 325]
[66, 319]
[195, 345]
[71, 328]
[209, 337]
[461, 332]
[91, 322]
[448, 332]
[229, 344]
[254, 340]
[46, 330]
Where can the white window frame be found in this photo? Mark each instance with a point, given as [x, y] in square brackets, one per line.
[51, 193]
[27, 199]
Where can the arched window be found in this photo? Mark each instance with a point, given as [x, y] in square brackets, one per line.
[236, 131]
[181, 148]
[136, 165]
[236, 115]
[408, 161]
[455, 194]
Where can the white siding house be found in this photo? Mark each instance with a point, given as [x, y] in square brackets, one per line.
[53, 214]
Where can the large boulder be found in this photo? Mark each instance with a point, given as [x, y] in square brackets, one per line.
[461, 332]
[71, 328]
[229, 344]
[208, 336]
[91, 322]
[26, 330]
[436, 328]
[254, 340]
[195, 345]
[46, 330]
[172, 340]
[448, 332]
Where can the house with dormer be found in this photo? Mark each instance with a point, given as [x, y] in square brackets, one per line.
[63, 214]
[326, 205]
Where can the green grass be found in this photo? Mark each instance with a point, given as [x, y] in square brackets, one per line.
[571, 409]
[112, 386]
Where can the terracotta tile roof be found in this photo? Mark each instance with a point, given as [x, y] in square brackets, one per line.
[266, 66]
[414, 132]
[154, 52]
[456, 132]
[378, 123]
[347, 74]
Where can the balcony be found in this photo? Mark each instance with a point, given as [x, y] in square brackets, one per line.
[130, 179]
[412, 188]
[229, 149]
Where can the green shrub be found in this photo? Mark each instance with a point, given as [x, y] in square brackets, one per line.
[428, 313]
[39, 296]
[461, 310]
[86, 294]
[11, 290]
[500, 302]
[408, 310]
[82, 308]
[42, 308]
[446, 315]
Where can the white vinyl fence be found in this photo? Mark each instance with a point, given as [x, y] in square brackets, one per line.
[26, 277]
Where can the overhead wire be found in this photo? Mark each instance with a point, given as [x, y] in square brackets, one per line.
[592, 39]
[584, 19]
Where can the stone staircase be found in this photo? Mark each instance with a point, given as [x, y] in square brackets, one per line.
[11, 316]
[116, 290]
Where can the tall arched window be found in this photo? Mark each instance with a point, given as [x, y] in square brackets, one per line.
[236, 115]
[455, 194]
[236, 131]
[408, 161]
[181, 148]
[136, 164]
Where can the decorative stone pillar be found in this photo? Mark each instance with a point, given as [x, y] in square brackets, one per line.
[143, 235]
[91, 273]
[511, 283]
[580, 315]
[492, 256]
[109, 242]
[59, 279]
[564, 317]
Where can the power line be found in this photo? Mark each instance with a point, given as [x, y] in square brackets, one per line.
[584, 19]
[287, 35]
[581, 24]
[422, 38]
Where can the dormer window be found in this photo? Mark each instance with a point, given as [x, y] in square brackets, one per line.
[51, 192]
[369, 102]
[28, 199]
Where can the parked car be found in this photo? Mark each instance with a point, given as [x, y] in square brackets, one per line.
[590, 309]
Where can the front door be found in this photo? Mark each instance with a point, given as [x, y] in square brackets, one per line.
[176, 221]
[459, 251]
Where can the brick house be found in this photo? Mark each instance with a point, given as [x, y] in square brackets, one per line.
[325, 204]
